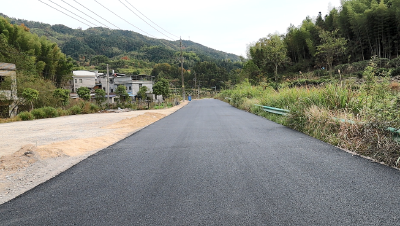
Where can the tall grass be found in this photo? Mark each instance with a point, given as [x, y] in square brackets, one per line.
[366, 111]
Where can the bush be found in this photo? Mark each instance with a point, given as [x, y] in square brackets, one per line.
[94, 108]
[321, 72]
[62, 112]
[85, 107]
[50, 112]
[75, 110]
[24, 116]
[38, 113]
[395, 72]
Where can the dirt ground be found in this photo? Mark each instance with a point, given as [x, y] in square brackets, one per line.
[32, 152]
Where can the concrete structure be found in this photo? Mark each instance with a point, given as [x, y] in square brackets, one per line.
[9, 96]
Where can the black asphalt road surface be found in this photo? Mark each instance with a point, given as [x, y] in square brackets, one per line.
[212, 164]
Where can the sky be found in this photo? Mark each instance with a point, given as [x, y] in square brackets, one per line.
[226, 25]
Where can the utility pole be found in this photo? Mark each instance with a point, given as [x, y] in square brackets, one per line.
[108, 90]
[183, 81]
[195, 80]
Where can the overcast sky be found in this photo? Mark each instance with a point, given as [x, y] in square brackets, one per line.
[226, 25]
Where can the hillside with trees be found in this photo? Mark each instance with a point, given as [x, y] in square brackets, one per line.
[345, 39]
[129, 52]
[112, 43]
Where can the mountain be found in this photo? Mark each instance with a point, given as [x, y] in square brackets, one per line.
[88, 43]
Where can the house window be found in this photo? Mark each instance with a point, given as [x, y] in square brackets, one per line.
[140, 86]
[130, 87]
[80, 80]
[76, 80]
[104, 88]
[112, 90]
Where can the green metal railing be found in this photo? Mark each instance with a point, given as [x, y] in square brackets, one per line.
[278, 111]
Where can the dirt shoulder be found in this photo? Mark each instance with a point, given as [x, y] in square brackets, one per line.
[32, 152]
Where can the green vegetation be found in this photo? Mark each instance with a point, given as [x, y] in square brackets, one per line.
[84, 93]
[25, 116]
[348, 37]
[100, 96]
[38, 113]
[162, 88]
[142, 93]
[62, 96]
[122, 94]
[126, 51]
[30, 95]
[366, 110]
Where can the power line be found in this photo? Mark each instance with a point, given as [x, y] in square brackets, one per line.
[64, 13]
[85, 14]
[144, 20]
[149, 19]
[73, 13]
[97, 15]
[130, 23]
[122, 18]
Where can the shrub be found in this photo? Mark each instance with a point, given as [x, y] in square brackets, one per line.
[50, 112]
[24, 116]
[85, 107]
[321, 72]
[84, 93]
[62, 112]
[94, 108]
[395, 72]
[38, 113]
[62, 96]
[74, 110]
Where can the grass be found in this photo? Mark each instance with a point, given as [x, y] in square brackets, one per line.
[314, 110]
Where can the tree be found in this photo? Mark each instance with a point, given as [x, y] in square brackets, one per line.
[100, 96]
[161, 88]
[142, 92]
[30, 95]
[271, 50]
[331, 47]
[84, 93]
[62, 95]
[122, 93]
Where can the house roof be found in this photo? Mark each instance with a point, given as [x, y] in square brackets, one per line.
[84, 73]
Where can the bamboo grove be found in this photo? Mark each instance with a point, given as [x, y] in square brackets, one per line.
[369, 28]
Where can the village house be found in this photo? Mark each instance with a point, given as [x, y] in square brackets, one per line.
[94, 80]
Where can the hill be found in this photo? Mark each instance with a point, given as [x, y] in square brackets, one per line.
[96, 41]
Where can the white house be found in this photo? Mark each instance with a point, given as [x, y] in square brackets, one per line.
[84, 79]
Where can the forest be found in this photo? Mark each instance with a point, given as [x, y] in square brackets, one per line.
[345, 39]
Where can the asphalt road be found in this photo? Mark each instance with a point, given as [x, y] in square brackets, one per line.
[211, 164]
